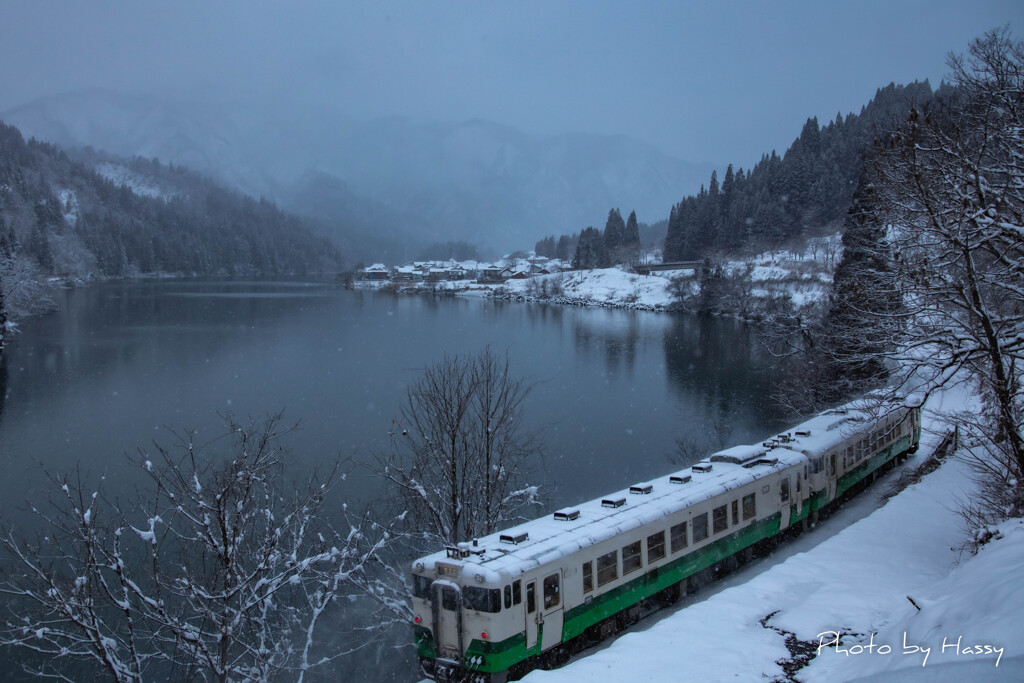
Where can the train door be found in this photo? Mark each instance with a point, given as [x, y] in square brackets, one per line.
[784, 501]
[532, 615]
[552, 606]
[832, 477]
[447, 620]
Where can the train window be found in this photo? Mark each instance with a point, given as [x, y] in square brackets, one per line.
[449, 598]
[632, 559]
[531, 597]
[421, 587]
[784, 490]
[719, 519]
[655, 547]
[700, 527]
[749, 507]
[588, 576]
[508, 596]
[816, 466]
[607, 568]
[736, 512]
[517, 592]
[481, 599]
[678, 536]
[551, 592]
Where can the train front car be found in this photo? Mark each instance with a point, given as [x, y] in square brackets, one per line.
[461, 612]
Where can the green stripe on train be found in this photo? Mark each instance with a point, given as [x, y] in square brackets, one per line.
[501, 655]
[869, 465]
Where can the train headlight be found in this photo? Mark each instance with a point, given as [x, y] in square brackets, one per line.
[416, 618]
[484, 635]
[479, 578]
[419, 566]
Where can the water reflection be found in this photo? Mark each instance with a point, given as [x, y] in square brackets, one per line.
[720, 372]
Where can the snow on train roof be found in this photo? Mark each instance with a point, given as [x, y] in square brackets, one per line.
[833, 427]
[548, 538]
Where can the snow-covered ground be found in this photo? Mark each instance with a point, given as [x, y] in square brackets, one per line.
[851, 576]
[602, 286]
[803, 277]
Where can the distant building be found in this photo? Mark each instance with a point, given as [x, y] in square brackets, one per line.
[377, 272]
[407, 273]
[648, 268]
[435, 274]
[495, 273]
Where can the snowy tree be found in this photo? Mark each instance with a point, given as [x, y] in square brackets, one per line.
[951, 183]
[3, 318]
[614, 231]
[460, 450]
[23, 288]
[212, 572]
[862, 318]
[590, 250]
[630, 249]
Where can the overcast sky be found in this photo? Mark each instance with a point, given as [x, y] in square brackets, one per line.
[714, 81]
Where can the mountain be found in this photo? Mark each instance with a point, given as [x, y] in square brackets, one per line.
[89, 214]
[474, 180]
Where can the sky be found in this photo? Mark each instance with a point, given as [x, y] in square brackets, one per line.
[719, 82]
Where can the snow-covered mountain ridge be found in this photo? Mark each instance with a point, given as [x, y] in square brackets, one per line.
[474, 180]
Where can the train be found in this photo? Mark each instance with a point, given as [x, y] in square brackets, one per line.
[492, 609]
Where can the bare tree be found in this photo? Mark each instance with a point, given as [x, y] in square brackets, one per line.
[23, 287]
[460, 451]
[951, 182]
[213, 572]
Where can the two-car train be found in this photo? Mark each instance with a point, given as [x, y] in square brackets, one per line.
[530, 596]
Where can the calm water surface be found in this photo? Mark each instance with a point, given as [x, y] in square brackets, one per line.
[120, 363]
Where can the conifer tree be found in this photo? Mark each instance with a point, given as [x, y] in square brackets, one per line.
[631, 239]
[590, 250]
[566, 246]
[859, 325]
[614, 231]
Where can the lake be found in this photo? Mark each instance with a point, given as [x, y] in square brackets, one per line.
[120, 364]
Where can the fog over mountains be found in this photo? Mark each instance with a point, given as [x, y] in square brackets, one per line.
[384, 186]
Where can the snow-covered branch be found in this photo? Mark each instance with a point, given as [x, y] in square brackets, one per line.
[216, 568]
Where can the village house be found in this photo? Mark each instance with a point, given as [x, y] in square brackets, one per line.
[378, 272]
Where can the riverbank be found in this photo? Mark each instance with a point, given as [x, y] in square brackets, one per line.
[748, 288]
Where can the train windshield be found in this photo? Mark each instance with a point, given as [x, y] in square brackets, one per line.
[482, 599]
[421, 587]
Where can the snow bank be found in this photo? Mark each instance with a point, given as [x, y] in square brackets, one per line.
[606, 286]
[855, 582]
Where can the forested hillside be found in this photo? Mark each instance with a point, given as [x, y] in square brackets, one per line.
[788, 197]
[96, 216]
